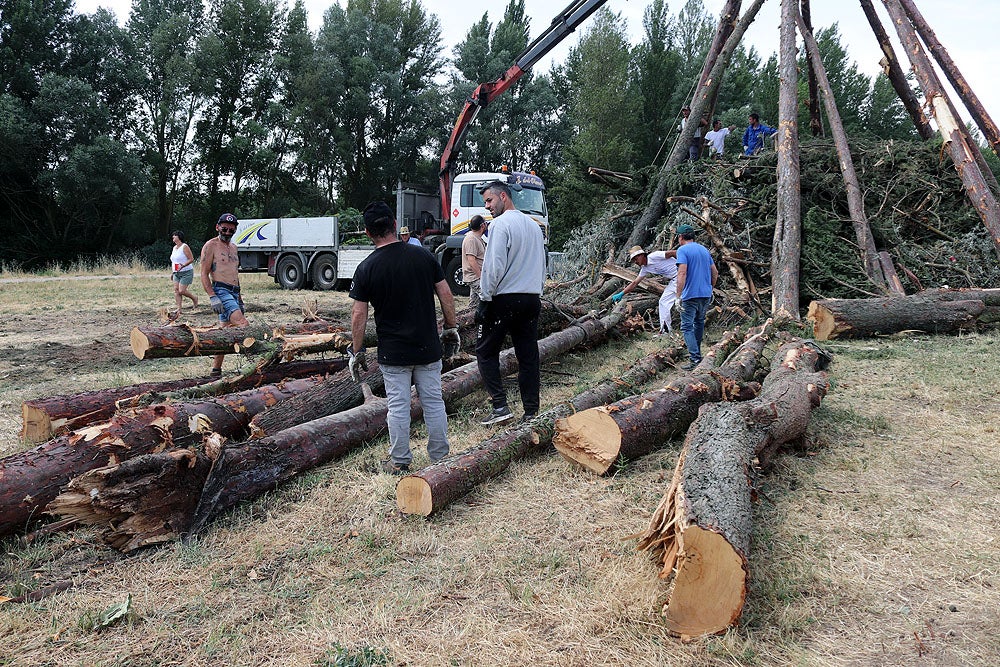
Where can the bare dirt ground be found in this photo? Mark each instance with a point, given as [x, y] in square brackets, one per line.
[876, 542]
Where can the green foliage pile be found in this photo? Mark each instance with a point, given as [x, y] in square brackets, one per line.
[914, 200]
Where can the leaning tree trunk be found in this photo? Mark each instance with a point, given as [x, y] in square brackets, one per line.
[31, 479]
[855, 200]
[437, 486]
[890, 64]
[156, 342]
[245, 470]
[933, 311]
[44, 417]
[958, 82]
[959, 144]
[703, 524]
[727, 23]
[786, 249]
[642, 231]
[600, 437]
[815, 119]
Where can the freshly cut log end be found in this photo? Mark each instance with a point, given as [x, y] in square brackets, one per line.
[414, 496]
[590, 438]
[710, 586]
[824, 322]
[140, 343]
[37, 426]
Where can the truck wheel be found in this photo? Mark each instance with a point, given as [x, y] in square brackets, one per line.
[453, 274]
[289, 272]
[324, 272]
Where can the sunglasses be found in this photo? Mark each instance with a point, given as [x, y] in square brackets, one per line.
[227, 230]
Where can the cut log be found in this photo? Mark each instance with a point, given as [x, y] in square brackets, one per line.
[932, 311]
[599, 438]
[703, 525]
[29, 480]
[437, 486]
[647, 284]
[156, 342]
[43, 418]
[245, 470]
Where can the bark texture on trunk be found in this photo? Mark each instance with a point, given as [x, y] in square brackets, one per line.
[43, 418]
[870, 263]
[703, 525]
[245, 470]
[933, 311]
[31, 479]
[815, 119]
[600, 437]
[786, 249]
[157, 342]
[437, 486]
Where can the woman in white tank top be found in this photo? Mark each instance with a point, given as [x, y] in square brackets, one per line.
[182, 267]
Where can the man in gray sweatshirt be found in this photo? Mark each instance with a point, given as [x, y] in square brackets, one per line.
[510, 289]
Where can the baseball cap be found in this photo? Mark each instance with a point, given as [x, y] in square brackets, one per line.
[686, 229]
[635, 251]
[375, 211]
[228, 218]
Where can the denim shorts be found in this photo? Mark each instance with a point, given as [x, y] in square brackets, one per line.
[185, 277]
[230, 297]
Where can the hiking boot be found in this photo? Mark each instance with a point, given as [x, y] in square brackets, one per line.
[215, 374]
[498, 415]
[391, 468]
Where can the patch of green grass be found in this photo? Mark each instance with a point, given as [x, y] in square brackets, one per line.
[362, 656]
[827, 419]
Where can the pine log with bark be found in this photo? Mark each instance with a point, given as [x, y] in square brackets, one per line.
[157, 342]
[600, 437]
[31, 479]
[933, 311]
[437, 486]
[703, 525]
[245, 470]
[42, 418]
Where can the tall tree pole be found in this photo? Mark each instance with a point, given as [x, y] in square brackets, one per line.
[958, 82]
[956, 140]
[786, 250]
[815, 120]
[855, 200]
[727, 23]
[642, 231]
[892, 69]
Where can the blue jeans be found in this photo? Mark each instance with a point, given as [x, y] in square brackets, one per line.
[230, 297]
[693, 324]
[427, 379]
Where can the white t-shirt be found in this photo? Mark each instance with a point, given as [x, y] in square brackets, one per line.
[659, 264]
[717, 140]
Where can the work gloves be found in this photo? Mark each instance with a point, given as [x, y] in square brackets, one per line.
[356, 362]
[450, 342]
[216, 304]
[617, 296]
[482, 312]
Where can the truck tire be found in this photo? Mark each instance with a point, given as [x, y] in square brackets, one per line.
[289, 272]
[453, 274]
[324, 272]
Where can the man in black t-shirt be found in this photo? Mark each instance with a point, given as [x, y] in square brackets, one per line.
[400, 281]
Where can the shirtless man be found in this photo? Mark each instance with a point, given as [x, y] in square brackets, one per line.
[221, 279]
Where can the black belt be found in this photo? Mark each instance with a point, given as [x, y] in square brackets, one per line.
[231, 288]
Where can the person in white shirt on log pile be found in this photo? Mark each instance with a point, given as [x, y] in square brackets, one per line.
[657, 263]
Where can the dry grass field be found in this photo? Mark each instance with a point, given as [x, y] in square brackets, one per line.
[876, 543]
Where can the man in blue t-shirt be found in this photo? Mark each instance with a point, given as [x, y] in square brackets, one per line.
[400, 283]
[696, 276]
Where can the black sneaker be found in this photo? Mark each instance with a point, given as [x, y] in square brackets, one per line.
[528, 416]
[691, 365]
[215, 374]
[497, 416]
[391, 468]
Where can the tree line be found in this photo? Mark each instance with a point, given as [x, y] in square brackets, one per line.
[113, 135]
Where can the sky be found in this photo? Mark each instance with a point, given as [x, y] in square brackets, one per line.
[967, 29]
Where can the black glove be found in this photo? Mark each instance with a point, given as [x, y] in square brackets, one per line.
[356, 363]
[482, 312]
[450, 342]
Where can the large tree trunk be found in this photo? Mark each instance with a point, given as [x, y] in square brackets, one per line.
[627, 429]
[961, 147]
[703, 524]
[156, 342]
[727, 23]
[644, 227]
[437, 486]
[934, 311]
[855, 200]
[890, 64]
[31, 479]
[43, 418]
[786, 249]
[815, 119]
[958, 82]
[246, 470]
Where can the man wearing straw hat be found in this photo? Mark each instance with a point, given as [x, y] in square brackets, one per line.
[404, 235]
[658, 263]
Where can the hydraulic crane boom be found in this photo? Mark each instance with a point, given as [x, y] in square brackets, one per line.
[562, 25]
